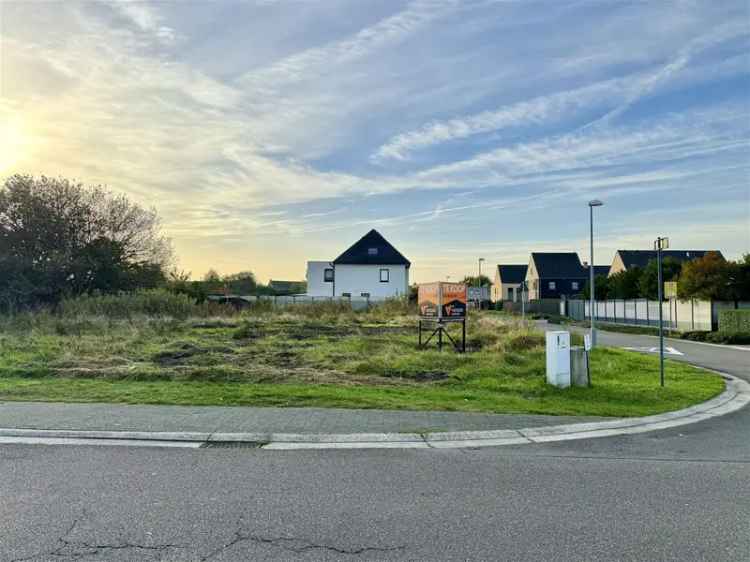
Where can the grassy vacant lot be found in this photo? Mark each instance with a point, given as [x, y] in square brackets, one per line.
[318, 356]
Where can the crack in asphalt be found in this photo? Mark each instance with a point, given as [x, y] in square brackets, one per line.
[79, 549]
[292, 544]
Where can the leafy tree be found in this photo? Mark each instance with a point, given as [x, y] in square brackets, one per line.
[242, 283]
[739, 278]
[625, 284]
[711, 277]
[648, 284]
[601, 285]
[59, 238]
[474, 281]
[706, 278]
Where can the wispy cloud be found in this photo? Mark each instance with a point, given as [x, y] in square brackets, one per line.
[146, 17]
[247, 154]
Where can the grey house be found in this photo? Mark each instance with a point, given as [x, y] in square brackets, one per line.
[551, 275]
[627, 259]
[507, 283]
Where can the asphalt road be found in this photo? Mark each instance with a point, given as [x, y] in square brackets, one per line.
[681, 494]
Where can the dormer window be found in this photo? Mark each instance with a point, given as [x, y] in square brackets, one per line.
[372, 251]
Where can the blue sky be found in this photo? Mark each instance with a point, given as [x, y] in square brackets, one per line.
[271, 132]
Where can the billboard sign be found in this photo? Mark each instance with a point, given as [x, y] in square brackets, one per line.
[442, 301]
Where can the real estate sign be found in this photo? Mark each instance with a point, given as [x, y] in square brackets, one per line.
[442, 301]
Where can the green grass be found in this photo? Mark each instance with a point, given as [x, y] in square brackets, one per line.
[329, 359]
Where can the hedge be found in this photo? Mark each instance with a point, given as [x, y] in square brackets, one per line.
[734, 321]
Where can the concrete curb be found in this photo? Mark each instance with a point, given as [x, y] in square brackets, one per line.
[735, 396]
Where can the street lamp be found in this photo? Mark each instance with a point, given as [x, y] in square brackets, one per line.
[479, 282]
[593, 203]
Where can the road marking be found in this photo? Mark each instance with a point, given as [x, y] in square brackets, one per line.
[667, 350]
[23, 440]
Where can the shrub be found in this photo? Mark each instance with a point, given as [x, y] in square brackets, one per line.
[694, 335]
[734, 321]
[156, 302]
[737, 338]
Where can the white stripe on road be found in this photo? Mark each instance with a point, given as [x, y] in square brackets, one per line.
[667, 350]
[24, 440]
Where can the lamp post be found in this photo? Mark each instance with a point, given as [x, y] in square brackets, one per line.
[479, 282]
[660, 244]
[592, 293]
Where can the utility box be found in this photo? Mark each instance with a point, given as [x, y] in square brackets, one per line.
[579, 369]
[558, 359]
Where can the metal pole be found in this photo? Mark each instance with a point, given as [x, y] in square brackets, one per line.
[479, 282]
[592, 291]
[661, 329]
[523, 300]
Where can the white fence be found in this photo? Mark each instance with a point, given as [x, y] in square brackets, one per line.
[677, 315]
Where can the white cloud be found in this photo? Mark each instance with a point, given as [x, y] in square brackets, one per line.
[146, 17]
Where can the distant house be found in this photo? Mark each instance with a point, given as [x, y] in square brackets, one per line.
[507, 283]
[627, 259]
[552, 275]
[287, 287]
[370, 268]
[598, 270]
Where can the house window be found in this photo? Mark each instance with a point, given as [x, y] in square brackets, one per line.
[574, 285]
[372, 251]
[385, 275]
[552, 286]
[365, 295]
[328, 275]
[347, 295]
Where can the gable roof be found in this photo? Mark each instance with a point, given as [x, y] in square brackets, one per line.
[598, 270]
[558, 265]
[512, 273]
[372, 249]
[640, 258]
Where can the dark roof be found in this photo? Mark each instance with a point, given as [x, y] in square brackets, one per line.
[512, 273]
[598, 270]
[562, 265]
[640, 258]
[372, 249]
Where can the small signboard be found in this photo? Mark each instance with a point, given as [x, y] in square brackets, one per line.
[670, 289]
[442, 301]
[429, 300]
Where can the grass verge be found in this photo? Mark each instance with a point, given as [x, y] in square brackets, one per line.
[348, 360]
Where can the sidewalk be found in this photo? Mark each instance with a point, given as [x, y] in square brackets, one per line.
[238, 419]
[316, 428]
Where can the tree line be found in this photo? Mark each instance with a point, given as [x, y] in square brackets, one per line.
[61, 239]
[710, 277]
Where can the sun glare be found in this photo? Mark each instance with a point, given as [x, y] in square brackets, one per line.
[13, 142]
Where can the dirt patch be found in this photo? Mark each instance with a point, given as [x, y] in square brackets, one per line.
[184, 352]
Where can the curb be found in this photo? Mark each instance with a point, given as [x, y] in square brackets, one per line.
[735, 396]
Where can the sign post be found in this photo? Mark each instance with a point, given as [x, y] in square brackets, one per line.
[441, 304]
[587, 349]
[659, 245]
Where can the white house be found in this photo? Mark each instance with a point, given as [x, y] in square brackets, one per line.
[371, 268]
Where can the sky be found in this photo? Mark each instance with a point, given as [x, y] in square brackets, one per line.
[271, 132]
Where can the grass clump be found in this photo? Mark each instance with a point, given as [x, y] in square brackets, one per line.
[294, 357]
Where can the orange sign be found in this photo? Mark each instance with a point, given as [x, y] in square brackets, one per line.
[442, 301]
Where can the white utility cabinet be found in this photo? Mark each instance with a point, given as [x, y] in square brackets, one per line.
[558, 358]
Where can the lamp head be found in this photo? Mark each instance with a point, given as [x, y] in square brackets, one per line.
[595, 203]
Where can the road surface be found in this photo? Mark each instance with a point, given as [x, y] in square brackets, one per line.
[681, 494]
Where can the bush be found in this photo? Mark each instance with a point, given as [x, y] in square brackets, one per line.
[734, 321]
[156, 302]
[694, 335]
[737, 338]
